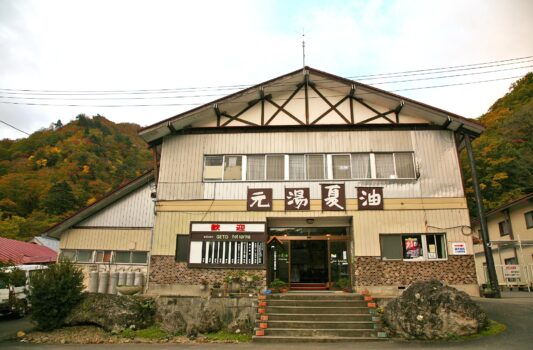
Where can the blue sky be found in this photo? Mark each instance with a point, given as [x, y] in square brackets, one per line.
[112, 45]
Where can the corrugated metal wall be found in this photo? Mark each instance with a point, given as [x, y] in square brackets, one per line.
[106, 238]
[134, 210]
[182, 161]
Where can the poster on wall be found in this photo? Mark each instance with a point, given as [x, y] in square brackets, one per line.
[459, 248]
[228, 245]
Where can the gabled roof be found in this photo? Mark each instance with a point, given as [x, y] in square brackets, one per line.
[49, 242]
[20, 253]
[435, 116]
[120, 192]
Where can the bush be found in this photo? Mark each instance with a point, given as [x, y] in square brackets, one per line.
[54, 292]
[17, 278]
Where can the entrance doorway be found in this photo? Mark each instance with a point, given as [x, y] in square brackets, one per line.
[309, 258]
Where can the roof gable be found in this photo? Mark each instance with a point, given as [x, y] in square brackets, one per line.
[309, 97]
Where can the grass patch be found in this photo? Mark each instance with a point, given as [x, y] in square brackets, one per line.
[492, 329]
[152, 333]
[228, 337]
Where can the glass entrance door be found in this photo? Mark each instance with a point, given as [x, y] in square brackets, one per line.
[302, 256]
[309, 261]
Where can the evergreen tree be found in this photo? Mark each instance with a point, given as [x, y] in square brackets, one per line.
[59, 199]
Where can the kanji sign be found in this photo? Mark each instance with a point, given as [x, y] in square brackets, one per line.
[370, 198]
[333, 197]
[297, 199]
[259, 199]
[459, 248]
[511, 271]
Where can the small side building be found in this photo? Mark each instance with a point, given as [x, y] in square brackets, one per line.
[24, 253]
[511, 238]
[113, 234]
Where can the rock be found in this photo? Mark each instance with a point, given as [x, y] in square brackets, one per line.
[113, 313]
[241, 324]
[209, 321]
[173, 323]
[62, 341]
[430, 310]
[192, 331]
[21, 334]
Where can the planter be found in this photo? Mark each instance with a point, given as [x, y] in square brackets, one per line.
[129, 290]
[217, 292]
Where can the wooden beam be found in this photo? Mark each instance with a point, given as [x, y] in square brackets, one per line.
[397, 111]
[329, 104]
[330, 109]
[262, 97]
[236, 117]
[280, 108]
[217, 111]
[285, 111]
[306, 83]
[380, 115]
[351, 95]
[447, 123]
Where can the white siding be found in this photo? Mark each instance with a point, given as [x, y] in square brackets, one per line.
[182, 161]
[134, 210]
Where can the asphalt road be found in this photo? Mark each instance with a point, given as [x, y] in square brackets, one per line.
[516, 313]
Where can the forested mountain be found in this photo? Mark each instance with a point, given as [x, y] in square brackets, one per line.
[504, 152]
[54, 172]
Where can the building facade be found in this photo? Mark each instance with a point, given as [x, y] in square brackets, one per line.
[308, 178]
[510, 230]
[311, 178]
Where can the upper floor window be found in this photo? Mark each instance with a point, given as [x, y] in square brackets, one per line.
[529, 219]
[286, 167]
[504, 227]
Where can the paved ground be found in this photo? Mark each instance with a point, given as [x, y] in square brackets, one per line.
[516, 311]
[9, 326]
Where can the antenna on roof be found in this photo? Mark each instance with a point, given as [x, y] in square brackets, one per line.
[303, 47]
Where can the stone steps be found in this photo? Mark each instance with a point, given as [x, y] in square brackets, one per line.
[316, 317]
[320, 317]
[314, 339]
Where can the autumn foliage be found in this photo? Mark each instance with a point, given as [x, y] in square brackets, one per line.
[55, 172]
[504, 152]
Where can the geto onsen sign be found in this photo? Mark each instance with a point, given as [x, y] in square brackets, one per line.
[239, 245]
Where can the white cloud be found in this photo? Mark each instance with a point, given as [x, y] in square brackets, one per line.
[108, 45]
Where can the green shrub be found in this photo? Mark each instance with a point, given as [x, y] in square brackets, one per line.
[54, 292]
[17, 278]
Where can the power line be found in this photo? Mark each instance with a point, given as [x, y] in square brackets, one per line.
[483, 65]
[75, 98]
[199, 104]
[14, 127]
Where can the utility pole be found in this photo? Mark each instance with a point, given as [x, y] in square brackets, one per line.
[487, 246]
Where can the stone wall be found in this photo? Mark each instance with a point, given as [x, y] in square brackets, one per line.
[372, 271]
[165, 270]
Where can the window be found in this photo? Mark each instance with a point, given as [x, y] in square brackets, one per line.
[213, 167]
[413, 247]
[84, 256]
[261, 167]
[504, 227]
[315, 167]
[103, 256]
[297, 167]
[404, 165]
[275, 167]
[232, 167]
[68, 254]
[341, 166]
[361, 166]
[255, 167]
[130, 257]
[182, 248]
[529, 219]
[384, 166]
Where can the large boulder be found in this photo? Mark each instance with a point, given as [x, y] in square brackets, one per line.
[112, 312]
[431, 310]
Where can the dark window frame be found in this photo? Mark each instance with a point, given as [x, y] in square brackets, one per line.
[182, 248]
[529, 213]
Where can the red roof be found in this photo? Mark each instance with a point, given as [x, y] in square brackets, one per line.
[21, 253]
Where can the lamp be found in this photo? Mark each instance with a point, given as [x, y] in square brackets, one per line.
[310, 221]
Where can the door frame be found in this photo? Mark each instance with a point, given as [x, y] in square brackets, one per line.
[329, 238]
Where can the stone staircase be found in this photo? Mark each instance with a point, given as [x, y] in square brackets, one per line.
[316, 317]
